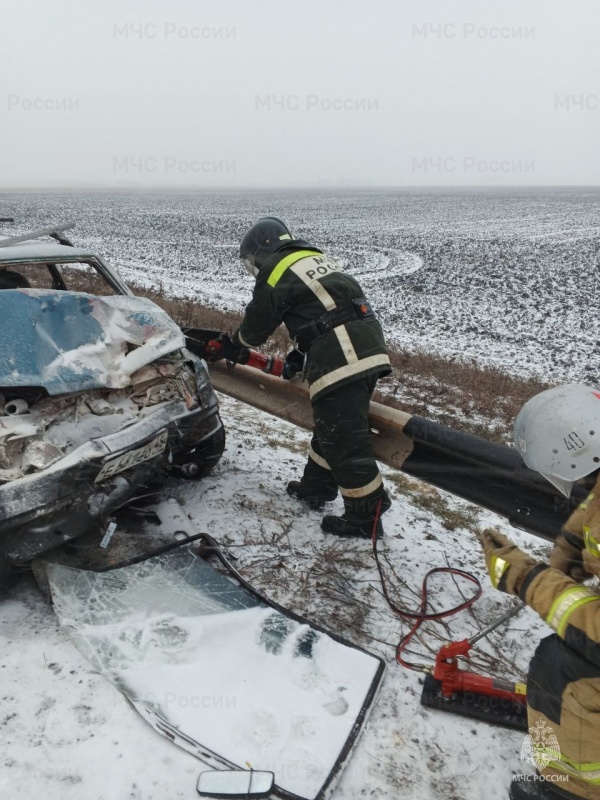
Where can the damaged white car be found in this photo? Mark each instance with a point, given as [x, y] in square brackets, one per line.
[99, 397]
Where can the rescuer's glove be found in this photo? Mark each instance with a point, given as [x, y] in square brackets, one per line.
[507, 565]
[294, 363]
[231, 349]
[568, 558]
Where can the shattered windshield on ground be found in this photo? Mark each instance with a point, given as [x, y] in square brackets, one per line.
[189, 646]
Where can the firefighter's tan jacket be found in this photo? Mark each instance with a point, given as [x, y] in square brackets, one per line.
[570, 665]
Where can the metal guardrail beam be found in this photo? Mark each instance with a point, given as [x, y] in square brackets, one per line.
[491, 475]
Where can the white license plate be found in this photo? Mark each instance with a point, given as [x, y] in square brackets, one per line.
[133, 457]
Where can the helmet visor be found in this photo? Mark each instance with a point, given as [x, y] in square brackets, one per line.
[563, 486]
[248, 264]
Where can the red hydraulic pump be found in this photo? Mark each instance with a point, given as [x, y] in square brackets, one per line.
[447, 687]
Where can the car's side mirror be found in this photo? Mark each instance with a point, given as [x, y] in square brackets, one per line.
[235, 783]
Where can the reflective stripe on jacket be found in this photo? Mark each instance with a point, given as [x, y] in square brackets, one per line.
[296, 288]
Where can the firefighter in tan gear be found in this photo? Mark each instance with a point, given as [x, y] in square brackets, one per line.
[558, 434]
[339, 349]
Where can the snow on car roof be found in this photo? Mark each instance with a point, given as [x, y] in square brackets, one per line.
[33, 250]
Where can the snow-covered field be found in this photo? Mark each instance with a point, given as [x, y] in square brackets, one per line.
[67, 734]
[510, 277]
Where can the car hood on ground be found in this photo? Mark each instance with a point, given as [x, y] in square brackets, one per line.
[71, 342]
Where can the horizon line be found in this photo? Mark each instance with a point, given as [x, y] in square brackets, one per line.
[294, 187]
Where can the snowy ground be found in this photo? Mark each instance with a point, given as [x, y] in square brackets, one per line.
[505, 276]
[67, 734]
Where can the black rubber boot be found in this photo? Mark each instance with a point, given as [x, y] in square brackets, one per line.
[348, 529]
[358, 518]
[532, 789]
[314, 501]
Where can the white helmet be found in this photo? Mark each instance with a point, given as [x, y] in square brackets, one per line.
[558, 434]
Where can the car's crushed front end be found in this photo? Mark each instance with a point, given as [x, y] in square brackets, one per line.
[99, 399]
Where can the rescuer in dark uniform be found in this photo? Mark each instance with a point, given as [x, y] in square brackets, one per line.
[339, 348]
[558, 434]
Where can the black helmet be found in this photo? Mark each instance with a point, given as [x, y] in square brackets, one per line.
[264, 238]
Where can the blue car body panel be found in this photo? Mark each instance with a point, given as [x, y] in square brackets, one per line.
[71, 342]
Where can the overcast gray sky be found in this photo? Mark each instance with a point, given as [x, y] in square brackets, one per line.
[299, 92]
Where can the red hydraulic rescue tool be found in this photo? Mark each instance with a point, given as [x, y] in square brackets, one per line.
[209, 344]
